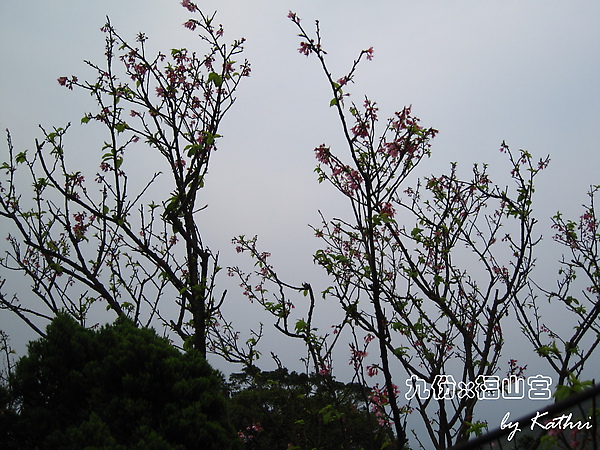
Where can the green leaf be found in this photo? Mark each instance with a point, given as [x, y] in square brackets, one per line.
[476, 428]
[397, 326]
[563, 391]
[416, 233]
[300, 326]
[546, 350]
[21, 157]
[326, 292]
[85, 119]
[400, 351]
[41, 183]
[120, 127]
[57, 268]
[173, 203]
[333, 102]
[188, 343]
[209, 138]
[215, 78]
[192, 149]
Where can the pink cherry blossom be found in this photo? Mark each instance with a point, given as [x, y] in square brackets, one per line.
[189, 5]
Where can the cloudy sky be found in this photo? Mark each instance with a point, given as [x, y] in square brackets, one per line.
[481, 72]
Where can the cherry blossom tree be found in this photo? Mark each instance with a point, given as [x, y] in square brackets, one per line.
[429, 272]
[86, 243]
[429, 269]
[577, 290]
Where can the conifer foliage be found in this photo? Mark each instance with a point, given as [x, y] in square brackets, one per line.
[115, 387]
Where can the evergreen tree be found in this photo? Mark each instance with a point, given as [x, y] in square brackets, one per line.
[117, 387]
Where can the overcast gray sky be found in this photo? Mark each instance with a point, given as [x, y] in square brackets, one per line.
[479, 71]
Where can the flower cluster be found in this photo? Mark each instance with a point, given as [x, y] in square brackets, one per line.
[323, 154]
[74, 181]
[514, 369]
[372, 370]
[191, 7]
[82, 223]
[387, 209]
[325, 370]
[346, 178]
[588, 223]
[250, 433]
[364, 121]
[379, 399]
[409, 139]
[306, 48]
[357, 356]
[67, 82]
